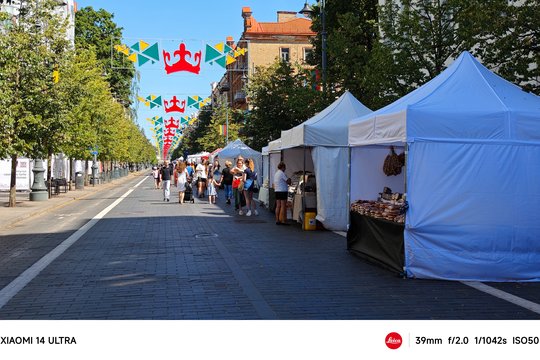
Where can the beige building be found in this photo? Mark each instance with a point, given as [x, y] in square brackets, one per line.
[287, 39]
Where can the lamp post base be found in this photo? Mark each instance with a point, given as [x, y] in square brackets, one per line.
[39, 189]
[39, 196]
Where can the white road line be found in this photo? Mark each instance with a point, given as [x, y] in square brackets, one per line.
[529, 305]
[13, 288]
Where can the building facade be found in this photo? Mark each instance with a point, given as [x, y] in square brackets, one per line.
[288, 39]
[65, 7]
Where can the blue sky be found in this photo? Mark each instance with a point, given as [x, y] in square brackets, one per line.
[173, 21]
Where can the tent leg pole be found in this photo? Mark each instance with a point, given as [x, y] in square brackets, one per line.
[349, 189]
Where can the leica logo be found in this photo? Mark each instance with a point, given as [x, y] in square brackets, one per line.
[393, 340]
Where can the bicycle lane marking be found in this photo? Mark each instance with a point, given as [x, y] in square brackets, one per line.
[14, 287]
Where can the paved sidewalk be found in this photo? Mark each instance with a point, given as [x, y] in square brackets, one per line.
[26, 209]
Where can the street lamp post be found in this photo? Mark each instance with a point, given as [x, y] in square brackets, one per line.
[224, 88]
[94, 167]
[308, 11]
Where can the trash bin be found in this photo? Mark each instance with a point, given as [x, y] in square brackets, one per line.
[79, 180]
[310, 223]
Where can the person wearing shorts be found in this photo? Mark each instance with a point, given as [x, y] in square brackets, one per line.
[281, 188]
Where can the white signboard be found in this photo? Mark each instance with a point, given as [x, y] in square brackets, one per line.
[23, 174]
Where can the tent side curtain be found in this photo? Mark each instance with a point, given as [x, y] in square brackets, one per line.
[331, 168]
[473, 211]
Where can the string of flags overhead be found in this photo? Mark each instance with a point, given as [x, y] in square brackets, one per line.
[173, 56]
[181, 58]
[168, 128]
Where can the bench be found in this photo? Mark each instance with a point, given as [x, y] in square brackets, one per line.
[61, 185]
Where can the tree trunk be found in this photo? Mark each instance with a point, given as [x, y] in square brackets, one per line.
[13, 184]
[49, 167]
[86, 183]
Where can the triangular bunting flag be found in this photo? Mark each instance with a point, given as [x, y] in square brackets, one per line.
[230, 59]
[222, 61]
[142, 59]
[191, 101]
[136, 47]
[152, 52]
[211, 53]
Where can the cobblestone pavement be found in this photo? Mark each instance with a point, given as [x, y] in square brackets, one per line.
[150, 259]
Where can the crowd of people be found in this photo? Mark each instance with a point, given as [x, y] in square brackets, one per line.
[204, 179]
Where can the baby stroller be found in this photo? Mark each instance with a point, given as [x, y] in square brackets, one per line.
[188, 194]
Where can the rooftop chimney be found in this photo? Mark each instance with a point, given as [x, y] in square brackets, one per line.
[246, 14]
[283, 16]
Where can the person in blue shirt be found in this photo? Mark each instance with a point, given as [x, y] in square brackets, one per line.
[250, 176]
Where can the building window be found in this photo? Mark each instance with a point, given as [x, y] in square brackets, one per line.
[284, 54]
[307, 53]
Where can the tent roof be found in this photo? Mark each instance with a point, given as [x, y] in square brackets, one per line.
[466, 101]
[237, 148]
[274, 146]
[327, 128]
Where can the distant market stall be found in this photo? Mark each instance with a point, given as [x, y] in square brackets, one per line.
[237, 148]
[468, 193]
[199, 157]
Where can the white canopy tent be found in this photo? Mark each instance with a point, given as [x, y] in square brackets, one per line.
[325, 136]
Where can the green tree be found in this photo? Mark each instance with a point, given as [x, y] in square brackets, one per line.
[32, 46]
[96, 29]
[511, 45]
[422, 37]
[89, 95]
[212, 139]
[281, 96]
[352, 33]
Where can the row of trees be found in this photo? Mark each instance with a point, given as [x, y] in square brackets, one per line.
[55, 97]
[381, 53]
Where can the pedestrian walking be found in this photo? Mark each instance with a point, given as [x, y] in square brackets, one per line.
[212, 188]
[216, 169]
[171, 168]
[249, 178]
[165, 175]
[190, 169]
[238, 185]
[201, 174]
[227, 180]
[281, 189]
[183, 178]
[155, 175]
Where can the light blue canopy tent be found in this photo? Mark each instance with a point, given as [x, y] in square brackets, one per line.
[472, 174]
